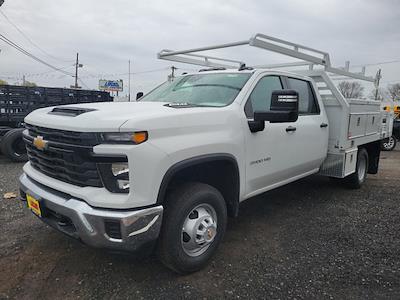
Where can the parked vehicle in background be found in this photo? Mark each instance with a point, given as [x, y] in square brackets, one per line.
[389, 143]
[168, 170]
[18, 101]
[396, 130]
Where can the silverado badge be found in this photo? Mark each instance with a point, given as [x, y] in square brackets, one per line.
[40, 143]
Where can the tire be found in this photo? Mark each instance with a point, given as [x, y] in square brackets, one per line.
[188, 209]
[356, 180]
[13, 146]
[389, 144]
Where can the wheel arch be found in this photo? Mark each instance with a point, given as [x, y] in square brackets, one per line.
[206, 169]
[374, 151]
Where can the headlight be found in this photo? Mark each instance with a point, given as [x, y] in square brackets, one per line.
[136, 138]
[115, 176]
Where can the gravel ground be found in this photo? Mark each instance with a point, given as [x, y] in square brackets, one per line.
[313, 239]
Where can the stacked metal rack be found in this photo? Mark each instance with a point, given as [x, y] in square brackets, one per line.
[18, 101]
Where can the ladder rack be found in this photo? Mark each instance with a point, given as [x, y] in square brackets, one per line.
[308, 56]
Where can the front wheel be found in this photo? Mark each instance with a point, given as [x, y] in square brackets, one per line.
[194, 223]
[389, 144]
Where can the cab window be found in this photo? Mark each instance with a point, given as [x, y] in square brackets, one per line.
[260, 97]
[307, 101]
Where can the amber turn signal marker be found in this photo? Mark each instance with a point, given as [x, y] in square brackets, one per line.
[139, 137]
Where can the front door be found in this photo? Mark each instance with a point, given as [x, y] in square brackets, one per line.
[283, 152]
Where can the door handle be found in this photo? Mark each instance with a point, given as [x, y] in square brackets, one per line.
[323, 125]
[290, 129]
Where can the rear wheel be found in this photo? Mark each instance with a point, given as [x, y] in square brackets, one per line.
[356, 179]
[389, 144]
[13, 146]
[194, 223]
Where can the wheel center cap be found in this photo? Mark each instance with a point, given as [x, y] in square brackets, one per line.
[210, 233]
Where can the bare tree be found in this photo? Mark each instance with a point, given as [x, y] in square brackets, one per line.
[394, 91]
[351, 89]
[378, 94]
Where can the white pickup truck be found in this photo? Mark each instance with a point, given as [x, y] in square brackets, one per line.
[165, 172]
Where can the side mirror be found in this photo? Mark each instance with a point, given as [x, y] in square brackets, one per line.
[139, 95]
[284, 108]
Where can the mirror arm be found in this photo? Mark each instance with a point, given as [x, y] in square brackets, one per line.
[256, 126]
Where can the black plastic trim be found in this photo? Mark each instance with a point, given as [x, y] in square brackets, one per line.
[197, 160]
[69, 111]
[108, 179]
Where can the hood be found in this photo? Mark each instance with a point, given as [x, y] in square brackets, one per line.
[93, 117]
[110, 116]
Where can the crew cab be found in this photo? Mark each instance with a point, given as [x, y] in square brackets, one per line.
[165, 172]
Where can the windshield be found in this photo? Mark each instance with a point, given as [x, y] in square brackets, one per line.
[200, 89]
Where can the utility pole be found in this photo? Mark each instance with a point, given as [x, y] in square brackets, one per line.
[129, 81]
[172, 75]
[77, 65]
[76, 70]
[23, 80]
[173, 68]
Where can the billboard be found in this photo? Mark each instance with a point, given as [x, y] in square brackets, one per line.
[111, 85]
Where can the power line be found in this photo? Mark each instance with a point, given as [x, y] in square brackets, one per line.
[84, 84]
[379, 63]
[47, 72]
[29, 40]
[90, 75]
[23, 51]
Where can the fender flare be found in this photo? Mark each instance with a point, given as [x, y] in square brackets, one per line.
[197, 160]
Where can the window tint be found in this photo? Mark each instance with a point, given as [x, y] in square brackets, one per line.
[260, 97]
[307, 101]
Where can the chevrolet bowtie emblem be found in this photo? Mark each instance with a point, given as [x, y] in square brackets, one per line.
[40, 143]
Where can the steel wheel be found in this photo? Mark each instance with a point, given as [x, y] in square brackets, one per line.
[389, 145]
[199, 230]
[362, 169]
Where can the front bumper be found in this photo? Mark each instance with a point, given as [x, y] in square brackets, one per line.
[127, 230]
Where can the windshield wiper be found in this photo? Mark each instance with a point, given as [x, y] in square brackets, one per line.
[186, 104]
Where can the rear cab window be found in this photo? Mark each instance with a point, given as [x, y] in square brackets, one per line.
[308, 103]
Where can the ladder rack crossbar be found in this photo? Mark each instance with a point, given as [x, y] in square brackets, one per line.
[307, 56]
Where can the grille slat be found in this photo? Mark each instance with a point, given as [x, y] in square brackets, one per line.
[63, 136]
[59, 161]
[62, 169]
[67, 157]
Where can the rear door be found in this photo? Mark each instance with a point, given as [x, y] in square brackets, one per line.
[311, 135]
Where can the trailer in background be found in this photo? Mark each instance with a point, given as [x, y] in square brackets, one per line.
[18, 101]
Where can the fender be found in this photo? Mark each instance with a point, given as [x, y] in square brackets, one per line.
[232, 203]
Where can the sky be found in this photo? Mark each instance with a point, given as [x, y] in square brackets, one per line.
[109, 33]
